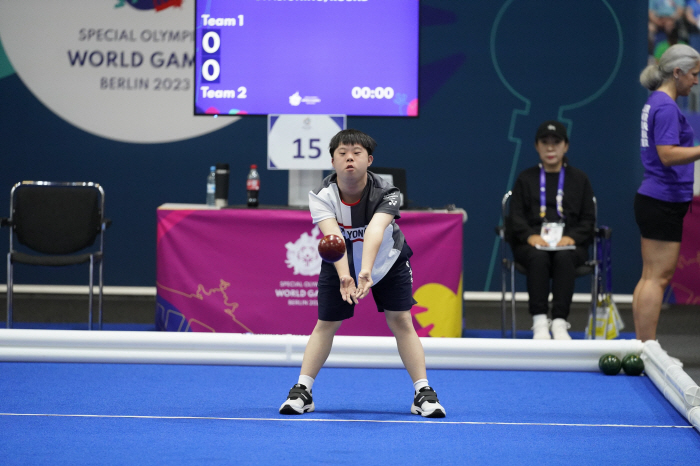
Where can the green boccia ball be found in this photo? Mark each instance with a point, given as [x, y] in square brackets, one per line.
[609, 364]
[632, 364]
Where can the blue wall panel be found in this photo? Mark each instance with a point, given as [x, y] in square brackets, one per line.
[490, 73]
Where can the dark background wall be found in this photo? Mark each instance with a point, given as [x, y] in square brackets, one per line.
[490, 72]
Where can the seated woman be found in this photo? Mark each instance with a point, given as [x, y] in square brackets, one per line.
[550, 226]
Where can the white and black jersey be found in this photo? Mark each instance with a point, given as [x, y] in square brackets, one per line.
[378, 196]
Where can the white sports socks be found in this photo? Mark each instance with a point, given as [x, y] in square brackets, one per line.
[420, 383]
[306, 381]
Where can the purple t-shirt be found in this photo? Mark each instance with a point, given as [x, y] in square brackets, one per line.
[663, 124]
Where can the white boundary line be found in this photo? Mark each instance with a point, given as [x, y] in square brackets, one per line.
[208, 418]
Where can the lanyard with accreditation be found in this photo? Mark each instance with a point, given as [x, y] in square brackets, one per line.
[552, 232]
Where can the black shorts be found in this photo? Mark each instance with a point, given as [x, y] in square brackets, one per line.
[659, 220]
[394, 292]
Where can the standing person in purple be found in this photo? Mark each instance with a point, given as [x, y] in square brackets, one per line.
[662, 200]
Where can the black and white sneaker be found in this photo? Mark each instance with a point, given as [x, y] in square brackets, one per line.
[299, 401]
[426, 403]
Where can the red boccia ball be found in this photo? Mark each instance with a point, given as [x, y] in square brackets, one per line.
[331, 248]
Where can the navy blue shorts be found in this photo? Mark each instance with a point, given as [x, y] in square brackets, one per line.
[660, 220]
[394, 292]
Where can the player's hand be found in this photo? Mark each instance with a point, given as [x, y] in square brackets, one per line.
[364, 283]
[566, 241]
[348, 289]
[536, 240]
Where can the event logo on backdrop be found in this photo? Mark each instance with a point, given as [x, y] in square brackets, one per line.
[119, 69]
[302, 255]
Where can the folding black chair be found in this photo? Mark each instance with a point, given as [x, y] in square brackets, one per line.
[397, 177]
[58, 224]
[509, 267]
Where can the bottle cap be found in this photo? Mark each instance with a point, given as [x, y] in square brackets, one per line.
[212, 168]
[254, 166]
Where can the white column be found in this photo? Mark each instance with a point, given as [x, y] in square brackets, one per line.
[300, 183]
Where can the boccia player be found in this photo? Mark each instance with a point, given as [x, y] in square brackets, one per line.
[361, 207]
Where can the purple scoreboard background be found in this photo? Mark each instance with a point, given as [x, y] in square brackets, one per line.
[348, 57]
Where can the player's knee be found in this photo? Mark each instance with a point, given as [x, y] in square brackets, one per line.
[399, 321]
[327, 326]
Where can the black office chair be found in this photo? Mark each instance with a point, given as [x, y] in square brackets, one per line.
[509, 267]
[58, 224]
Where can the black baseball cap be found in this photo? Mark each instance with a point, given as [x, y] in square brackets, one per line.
[552, 127]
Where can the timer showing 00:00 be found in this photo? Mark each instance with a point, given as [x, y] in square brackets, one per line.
[376, 93]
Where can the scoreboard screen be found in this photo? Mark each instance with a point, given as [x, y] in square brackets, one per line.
[344, 57]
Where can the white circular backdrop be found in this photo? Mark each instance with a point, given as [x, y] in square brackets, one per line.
[136, 81]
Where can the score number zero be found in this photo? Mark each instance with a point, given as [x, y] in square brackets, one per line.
[376, 93]
[211, 69]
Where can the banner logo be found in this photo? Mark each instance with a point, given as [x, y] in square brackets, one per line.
[302, 255]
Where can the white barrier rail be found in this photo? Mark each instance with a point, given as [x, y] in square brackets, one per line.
[288, 350]
[676, 386]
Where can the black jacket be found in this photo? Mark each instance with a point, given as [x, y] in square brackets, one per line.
[579, 210]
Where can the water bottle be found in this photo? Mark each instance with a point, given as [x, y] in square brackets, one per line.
[253, 186]
[211, 187]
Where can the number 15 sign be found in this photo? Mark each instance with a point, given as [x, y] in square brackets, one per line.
[300, 142]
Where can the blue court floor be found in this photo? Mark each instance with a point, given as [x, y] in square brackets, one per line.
[64, 413]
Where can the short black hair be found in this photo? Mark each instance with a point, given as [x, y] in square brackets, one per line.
[352, 137]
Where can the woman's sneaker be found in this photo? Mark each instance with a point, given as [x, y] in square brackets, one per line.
[299, 401]
[426, 403]
[560, 329]
[540, 327]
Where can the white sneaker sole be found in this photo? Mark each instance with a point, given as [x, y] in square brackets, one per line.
[437, 412]
[288, 408]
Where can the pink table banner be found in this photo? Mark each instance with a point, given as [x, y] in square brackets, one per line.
[685, 284]
[256, 271]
